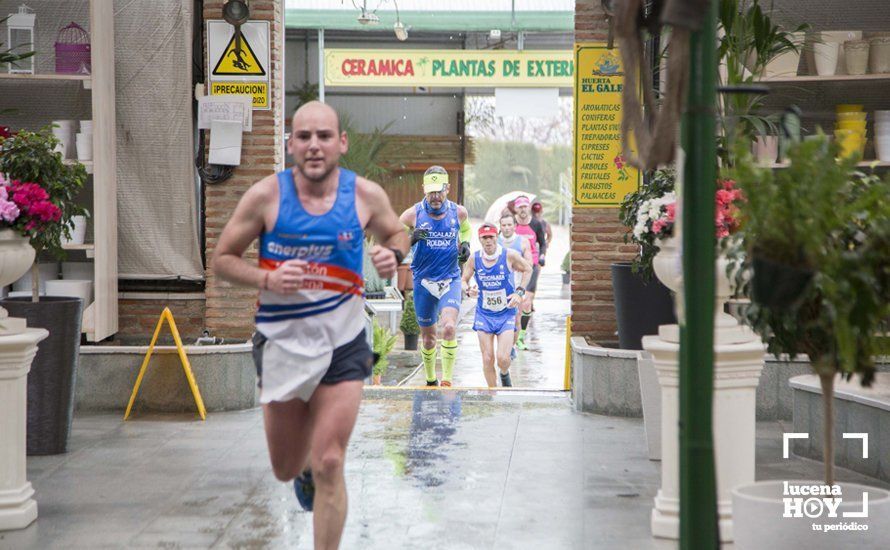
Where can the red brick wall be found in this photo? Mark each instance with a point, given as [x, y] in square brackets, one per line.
[597, 236]
[138, 319]
[229, 310]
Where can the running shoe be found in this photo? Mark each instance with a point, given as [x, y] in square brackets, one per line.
[521, 345]
[304, 487]
[446, 383]
[432, 382]
[505, 380]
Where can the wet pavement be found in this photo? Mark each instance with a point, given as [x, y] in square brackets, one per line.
[436, 469]
[542, 366]
[426, 469]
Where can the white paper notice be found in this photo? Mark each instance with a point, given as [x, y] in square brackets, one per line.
[225, 142]
[225, 107]
[527, 102]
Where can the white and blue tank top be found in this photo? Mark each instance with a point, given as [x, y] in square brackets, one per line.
[495, 283]
[435, 258]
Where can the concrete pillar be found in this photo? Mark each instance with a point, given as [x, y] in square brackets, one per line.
[17, 507]
[738, 362]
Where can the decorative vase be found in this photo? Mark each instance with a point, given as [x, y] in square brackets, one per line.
[879, 55]
[856, 56]
[827, 54]
[766, 149]
[668, 267]
[16, 257]
[411, 341]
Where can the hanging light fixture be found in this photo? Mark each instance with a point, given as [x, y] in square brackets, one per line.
[367, 17]
[399, 28]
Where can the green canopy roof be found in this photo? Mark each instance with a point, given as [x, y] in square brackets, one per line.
[442, 21]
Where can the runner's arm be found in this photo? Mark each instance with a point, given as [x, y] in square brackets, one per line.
[464, 234]
[518, 263]
[526, 250]
[469, 270]
[245, 225]
[548, 231]
[538, 228]
[386, 228]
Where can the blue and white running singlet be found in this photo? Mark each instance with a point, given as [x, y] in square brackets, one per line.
[495, 287]
[436, 273]
[515, 244]
[327, 312]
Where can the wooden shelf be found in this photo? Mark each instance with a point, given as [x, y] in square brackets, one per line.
[863, 164]
[802, 79]
[88, 164]
[88, 248]
[48, 76]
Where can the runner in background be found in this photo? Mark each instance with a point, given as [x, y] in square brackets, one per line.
[538, 213]
[441, 231]
[531, 229]
[493, 268]
[511, 240]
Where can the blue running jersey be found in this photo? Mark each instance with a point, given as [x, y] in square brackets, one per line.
[495, 286]
[435, 258]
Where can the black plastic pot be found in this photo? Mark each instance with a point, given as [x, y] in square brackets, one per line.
[640, 307]
[776, 285]
[411, 341]
[52, 374]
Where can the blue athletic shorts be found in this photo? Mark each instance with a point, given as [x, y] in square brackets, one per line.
[427, 306]
[495, 323]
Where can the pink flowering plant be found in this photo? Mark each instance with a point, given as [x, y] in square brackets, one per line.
[38, 191]
[651, 214]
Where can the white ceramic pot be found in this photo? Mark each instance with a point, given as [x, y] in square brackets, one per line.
[758, 510]
[78, 233]
[86, 126]
[856, 56]
[46, 272]
[78, 270]
[64, 131]
[16, 256]
[882, 148]
[74, 288]
[879, 55]
[766, 149]
[668, 267]
[84, 147]
[786, 64]
[826, 54]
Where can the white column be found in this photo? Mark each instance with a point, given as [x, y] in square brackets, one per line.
[738, 362]
[17, 508]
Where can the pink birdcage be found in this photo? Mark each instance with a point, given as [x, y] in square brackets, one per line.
[73, 50]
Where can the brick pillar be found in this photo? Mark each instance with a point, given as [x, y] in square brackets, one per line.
[229, 310]
[596, 236]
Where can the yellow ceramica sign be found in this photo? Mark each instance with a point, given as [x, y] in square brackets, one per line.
[602, 177]
[258, 90]
[448, 68]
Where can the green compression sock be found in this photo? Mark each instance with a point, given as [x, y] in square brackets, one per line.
[429, 362]
[449, 355]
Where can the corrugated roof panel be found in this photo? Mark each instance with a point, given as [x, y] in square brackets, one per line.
[428, 15]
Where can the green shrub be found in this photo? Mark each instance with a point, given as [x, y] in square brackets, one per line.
[409, 318]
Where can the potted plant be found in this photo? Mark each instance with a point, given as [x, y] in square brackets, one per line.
[43, 191]
[823, 218]
[751, 47]
[642, 304]
[375, 286]
[384, 340]
[567, 268]
[408, 325]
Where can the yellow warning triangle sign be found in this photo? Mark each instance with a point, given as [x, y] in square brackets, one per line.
[167, 315]
[235, 63]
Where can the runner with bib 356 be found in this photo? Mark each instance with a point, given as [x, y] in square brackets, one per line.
[493, 268]
[440, 239]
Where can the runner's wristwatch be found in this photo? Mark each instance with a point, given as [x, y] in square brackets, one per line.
[399, 256]
[521, 291]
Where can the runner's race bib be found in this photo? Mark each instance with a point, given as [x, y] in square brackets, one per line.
[436, 288]
[494, 300]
